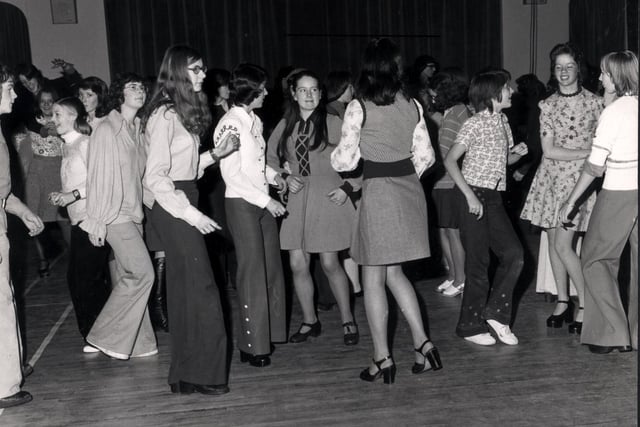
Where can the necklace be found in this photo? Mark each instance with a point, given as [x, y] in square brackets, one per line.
[569, 95]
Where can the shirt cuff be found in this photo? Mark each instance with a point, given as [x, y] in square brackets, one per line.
[192, 215]
[347, 187]
[95, 227]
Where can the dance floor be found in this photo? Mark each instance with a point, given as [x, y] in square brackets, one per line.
[549, 379]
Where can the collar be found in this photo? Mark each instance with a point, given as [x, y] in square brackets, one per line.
[119, 123]
[72, 136]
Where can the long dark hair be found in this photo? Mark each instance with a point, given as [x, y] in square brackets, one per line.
[292, 116]
[566, 49]
[380, 77]
[80, 123]
[173, 88]
[100, 88]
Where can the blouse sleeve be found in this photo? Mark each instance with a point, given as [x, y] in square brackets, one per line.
[159, 134]
[273, 160]
[105, 189]
[602, 144]
[83, 150]
[347, 154]
[546, 123]
[423, 154]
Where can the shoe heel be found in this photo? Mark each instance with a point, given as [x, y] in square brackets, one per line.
[316, 330]
[389, 374]
[433, 357]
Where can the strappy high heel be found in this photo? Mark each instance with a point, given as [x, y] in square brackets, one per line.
[315, 329]
[432, 356]
[575, 327]
[350, 337]
[388, 374]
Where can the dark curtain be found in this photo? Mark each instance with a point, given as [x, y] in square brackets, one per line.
[321, 35]
[599, 27]
[15, 46]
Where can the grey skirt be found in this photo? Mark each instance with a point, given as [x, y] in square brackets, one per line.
[391, 224]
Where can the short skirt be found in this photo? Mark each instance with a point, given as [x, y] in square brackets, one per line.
[391, 222]
[447, 207]
[43, 179]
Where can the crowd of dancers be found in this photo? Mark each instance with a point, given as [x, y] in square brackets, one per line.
[339, 176]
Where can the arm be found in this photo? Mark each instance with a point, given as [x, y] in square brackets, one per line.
[423, 156]
[32, 221]
[104, 186]
[159, 134]
[464, 138]
[346, 156]
[80, 192]
[229, 144]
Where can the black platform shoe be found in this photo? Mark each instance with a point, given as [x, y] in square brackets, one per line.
[314, 330]
[257, 360]
[183, 387]
[601, 349]
[388, 374]
[432, 356]
[20, 398]
[555, 320]
[575, 327]
[351, 338]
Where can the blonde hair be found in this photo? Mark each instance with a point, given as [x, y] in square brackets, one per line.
[622, 67]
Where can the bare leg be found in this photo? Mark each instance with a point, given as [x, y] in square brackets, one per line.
[446, 252]
[457, 255]
[338, 282]
[405, 296]
[303, 285]
[559, 272]
[353, 272]
[563, 243]
[377, 309]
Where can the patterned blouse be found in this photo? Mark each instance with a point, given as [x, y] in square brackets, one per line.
[488, 138]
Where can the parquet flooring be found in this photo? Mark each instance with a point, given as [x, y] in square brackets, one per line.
[549, 379]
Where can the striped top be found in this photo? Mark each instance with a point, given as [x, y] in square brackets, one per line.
[615, 147]
[452, 121]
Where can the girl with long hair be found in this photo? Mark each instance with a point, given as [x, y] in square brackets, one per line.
[175, 117]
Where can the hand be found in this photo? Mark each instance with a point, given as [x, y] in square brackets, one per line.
[41, 120]
[281, 184]
[229, 144]
[565, 210]
[295, 183]
[61, 199]
[518, 176]
[206, 225]
[33, 223]
[96, 240]
[475, 207]
[337, 196]
[60, 63]
[275, 208]
[521, 149]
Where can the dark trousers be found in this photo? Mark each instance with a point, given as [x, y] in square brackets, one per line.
[493, 232]
[87, 277]
[198, 335]
[260, 280]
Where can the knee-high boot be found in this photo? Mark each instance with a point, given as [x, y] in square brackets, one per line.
[157, 298]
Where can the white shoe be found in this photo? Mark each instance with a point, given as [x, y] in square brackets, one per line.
[503, 332]
[444, 285]
[482, 339]
[111, 354]
[453, 291]
[147, 354]
[90, 349]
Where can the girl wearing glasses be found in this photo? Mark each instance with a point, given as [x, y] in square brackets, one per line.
[115, 162]
[320, 215]
[176, 116]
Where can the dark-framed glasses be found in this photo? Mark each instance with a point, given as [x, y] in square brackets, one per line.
[197, 69]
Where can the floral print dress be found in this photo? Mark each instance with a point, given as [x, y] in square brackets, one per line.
[572, 126]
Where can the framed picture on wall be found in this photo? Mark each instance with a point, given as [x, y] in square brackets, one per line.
[64, 12]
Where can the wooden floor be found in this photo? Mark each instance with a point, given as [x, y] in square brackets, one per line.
[549, 379]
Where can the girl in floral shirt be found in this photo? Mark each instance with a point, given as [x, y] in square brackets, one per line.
[487, 141]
